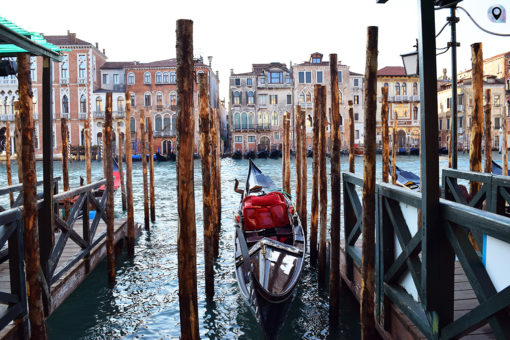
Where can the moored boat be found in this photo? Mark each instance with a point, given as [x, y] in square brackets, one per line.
[497, 169]
[270, 249]
[407, 179]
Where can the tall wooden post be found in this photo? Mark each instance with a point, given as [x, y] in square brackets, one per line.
[351, 138]
[385, 135]
[297, 133]
[505, 144]
[334, 263]
[394, 150]
[286, 153]
[108, 170]
[186, 239]
[215, 179]
[8, 159]
[64, 133]
[129, 179]
[323, 192]
[121, 169]
[143, 148]
[488, 132]
[17, 140]
[31, 235]
[205, 156]
[304, 177]
[314, 220]
[475, 149]
[87, 133]
[368, 330]
[151, 170]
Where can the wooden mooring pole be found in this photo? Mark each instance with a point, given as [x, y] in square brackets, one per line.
[299, 180]
[323, 192]
[31, 234]
[215, 179]
[151, 171]
[368, 330]
[314, 220]
[385, 135]
[8, 159]
[334, 262]
[121, 169]
[487, 133]
[87, 147]
[129, 179]
[64, 134]
[351, 138]
[394, 150]
[205, 157]
[504, 155]
[475, 149]
[108, 170]
[186, 239]
[304, 174]
[18, 139]
[143, 148]
[286, 152]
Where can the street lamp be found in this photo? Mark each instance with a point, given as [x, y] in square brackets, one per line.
[410, 61]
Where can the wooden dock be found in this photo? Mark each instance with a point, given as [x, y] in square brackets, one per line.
[402, 328]
[74, 275]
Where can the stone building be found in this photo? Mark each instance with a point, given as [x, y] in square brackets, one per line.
[403, 103]
[258, 101]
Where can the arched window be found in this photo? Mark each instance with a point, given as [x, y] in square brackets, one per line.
[83, 104]
[237, 121]
[173, 99]
[386, 85]
[132, 123]
[99, 104]
[159, 78]
[174, 123]
[120, 104]
[64, 69]
[83, 70]
[158, 123]
[34, 103]
[33, 69]
[275, 119]
[165, 77]
[147, 99]
[237, 98]
[301, 97]
[7, 104]
[415, 113]
[244, 120]
[172, 77]
[131, 78]
[415, 89]
[250, 120]
[308, 97]
[147, 78]
[397, 89]
[198, 74]
[259, 119]
[266, 120]
[340, 97]
[132, 99]
[65, 104]
[159, 101]
[251, 98]
[404, 89]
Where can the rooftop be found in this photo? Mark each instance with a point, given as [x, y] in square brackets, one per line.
[392, 71]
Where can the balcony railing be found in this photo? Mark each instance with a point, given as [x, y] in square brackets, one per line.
[119, 114]
[64, 81]
[64, 115]
[460, 108]
[36, 116]
[306, 105]
[99, 114]
[164, 134]
[7, 118]
[82, 81]
[159, 107]
[82, 115]
[253, 127]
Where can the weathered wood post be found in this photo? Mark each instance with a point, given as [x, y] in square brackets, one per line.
[297, 133]
[143, 148]
[108, 171]
[368, 330]
[205, 156]
[394, 150]
[475, 149]
[18, 140]
[351, 138]
[385, 135]
[215, 180]
[64, 133]
[31, 233]
[8, 159]
[323, 194]
[151, 171]
[286, 153]
[129, 179]
[487, 133]
[504, 155]
[314, 220]
[87, 133]
[304, 174]
[334, 262]
[121, 169]
[186, 239]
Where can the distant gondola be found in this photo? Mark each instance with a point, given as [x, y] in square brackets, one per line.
[159, 157]
[309, 153]
[171, 156]
[136, 158]
[497, 169]
[443, 151]
[250, 155]
[262, 154]
[402, 151]
[270, 248]
[275, 154]
[414, 151]
[237, 155]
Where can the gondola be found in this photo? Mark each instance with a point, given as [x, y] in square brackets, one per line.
[407, 179]
[497, 170]
[159, 157]
[270, 249]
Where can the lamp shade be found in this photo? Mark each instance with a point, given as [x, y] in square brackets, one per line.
[410, 61]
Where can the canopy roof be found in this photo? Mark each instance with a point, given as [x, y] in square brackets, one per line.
[14, 39]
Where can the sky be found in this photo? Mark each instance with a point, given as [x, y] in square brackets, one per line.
[240, 33]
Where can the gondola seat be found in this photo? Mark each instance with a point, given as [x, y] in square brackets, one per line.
[265, 212]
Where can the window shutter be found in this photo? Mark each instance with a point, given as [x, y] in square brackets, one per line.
[276, 98]
[240, 97]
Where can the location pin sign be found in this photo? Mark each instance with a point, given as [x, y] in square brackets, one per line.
[497, 14]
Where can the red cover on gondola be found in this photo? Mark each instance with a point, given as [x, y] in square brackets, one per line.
[267, 211]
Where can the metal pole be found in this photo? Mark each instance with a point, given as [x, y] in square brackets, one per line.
[453, 21]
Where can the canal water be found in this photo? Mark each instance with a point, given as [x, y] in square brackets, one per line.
[144, 302]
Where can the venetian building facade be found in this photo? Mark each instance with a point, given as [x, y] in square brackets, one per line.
[316, 71]
[465, 107]
[258, 101]
[403, 103]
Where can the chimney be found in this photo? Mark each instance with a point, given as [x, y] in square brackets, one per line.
[445, 77]
[104, 52]
[231, 71]
[68, 32]
[217, 75]
[72, 37]
[97, 45]
[210, 60]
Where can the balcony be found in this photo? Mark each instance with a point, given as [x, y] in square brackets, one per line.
[415, 98]
[99, 114]
[82, 115]
[64, 115]
[64, 81]
[460, 108]
[159, 107]
[82, 81]
[164, 134]
[119, 114]
[306, 105]
[7, 118]
[253, 127]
